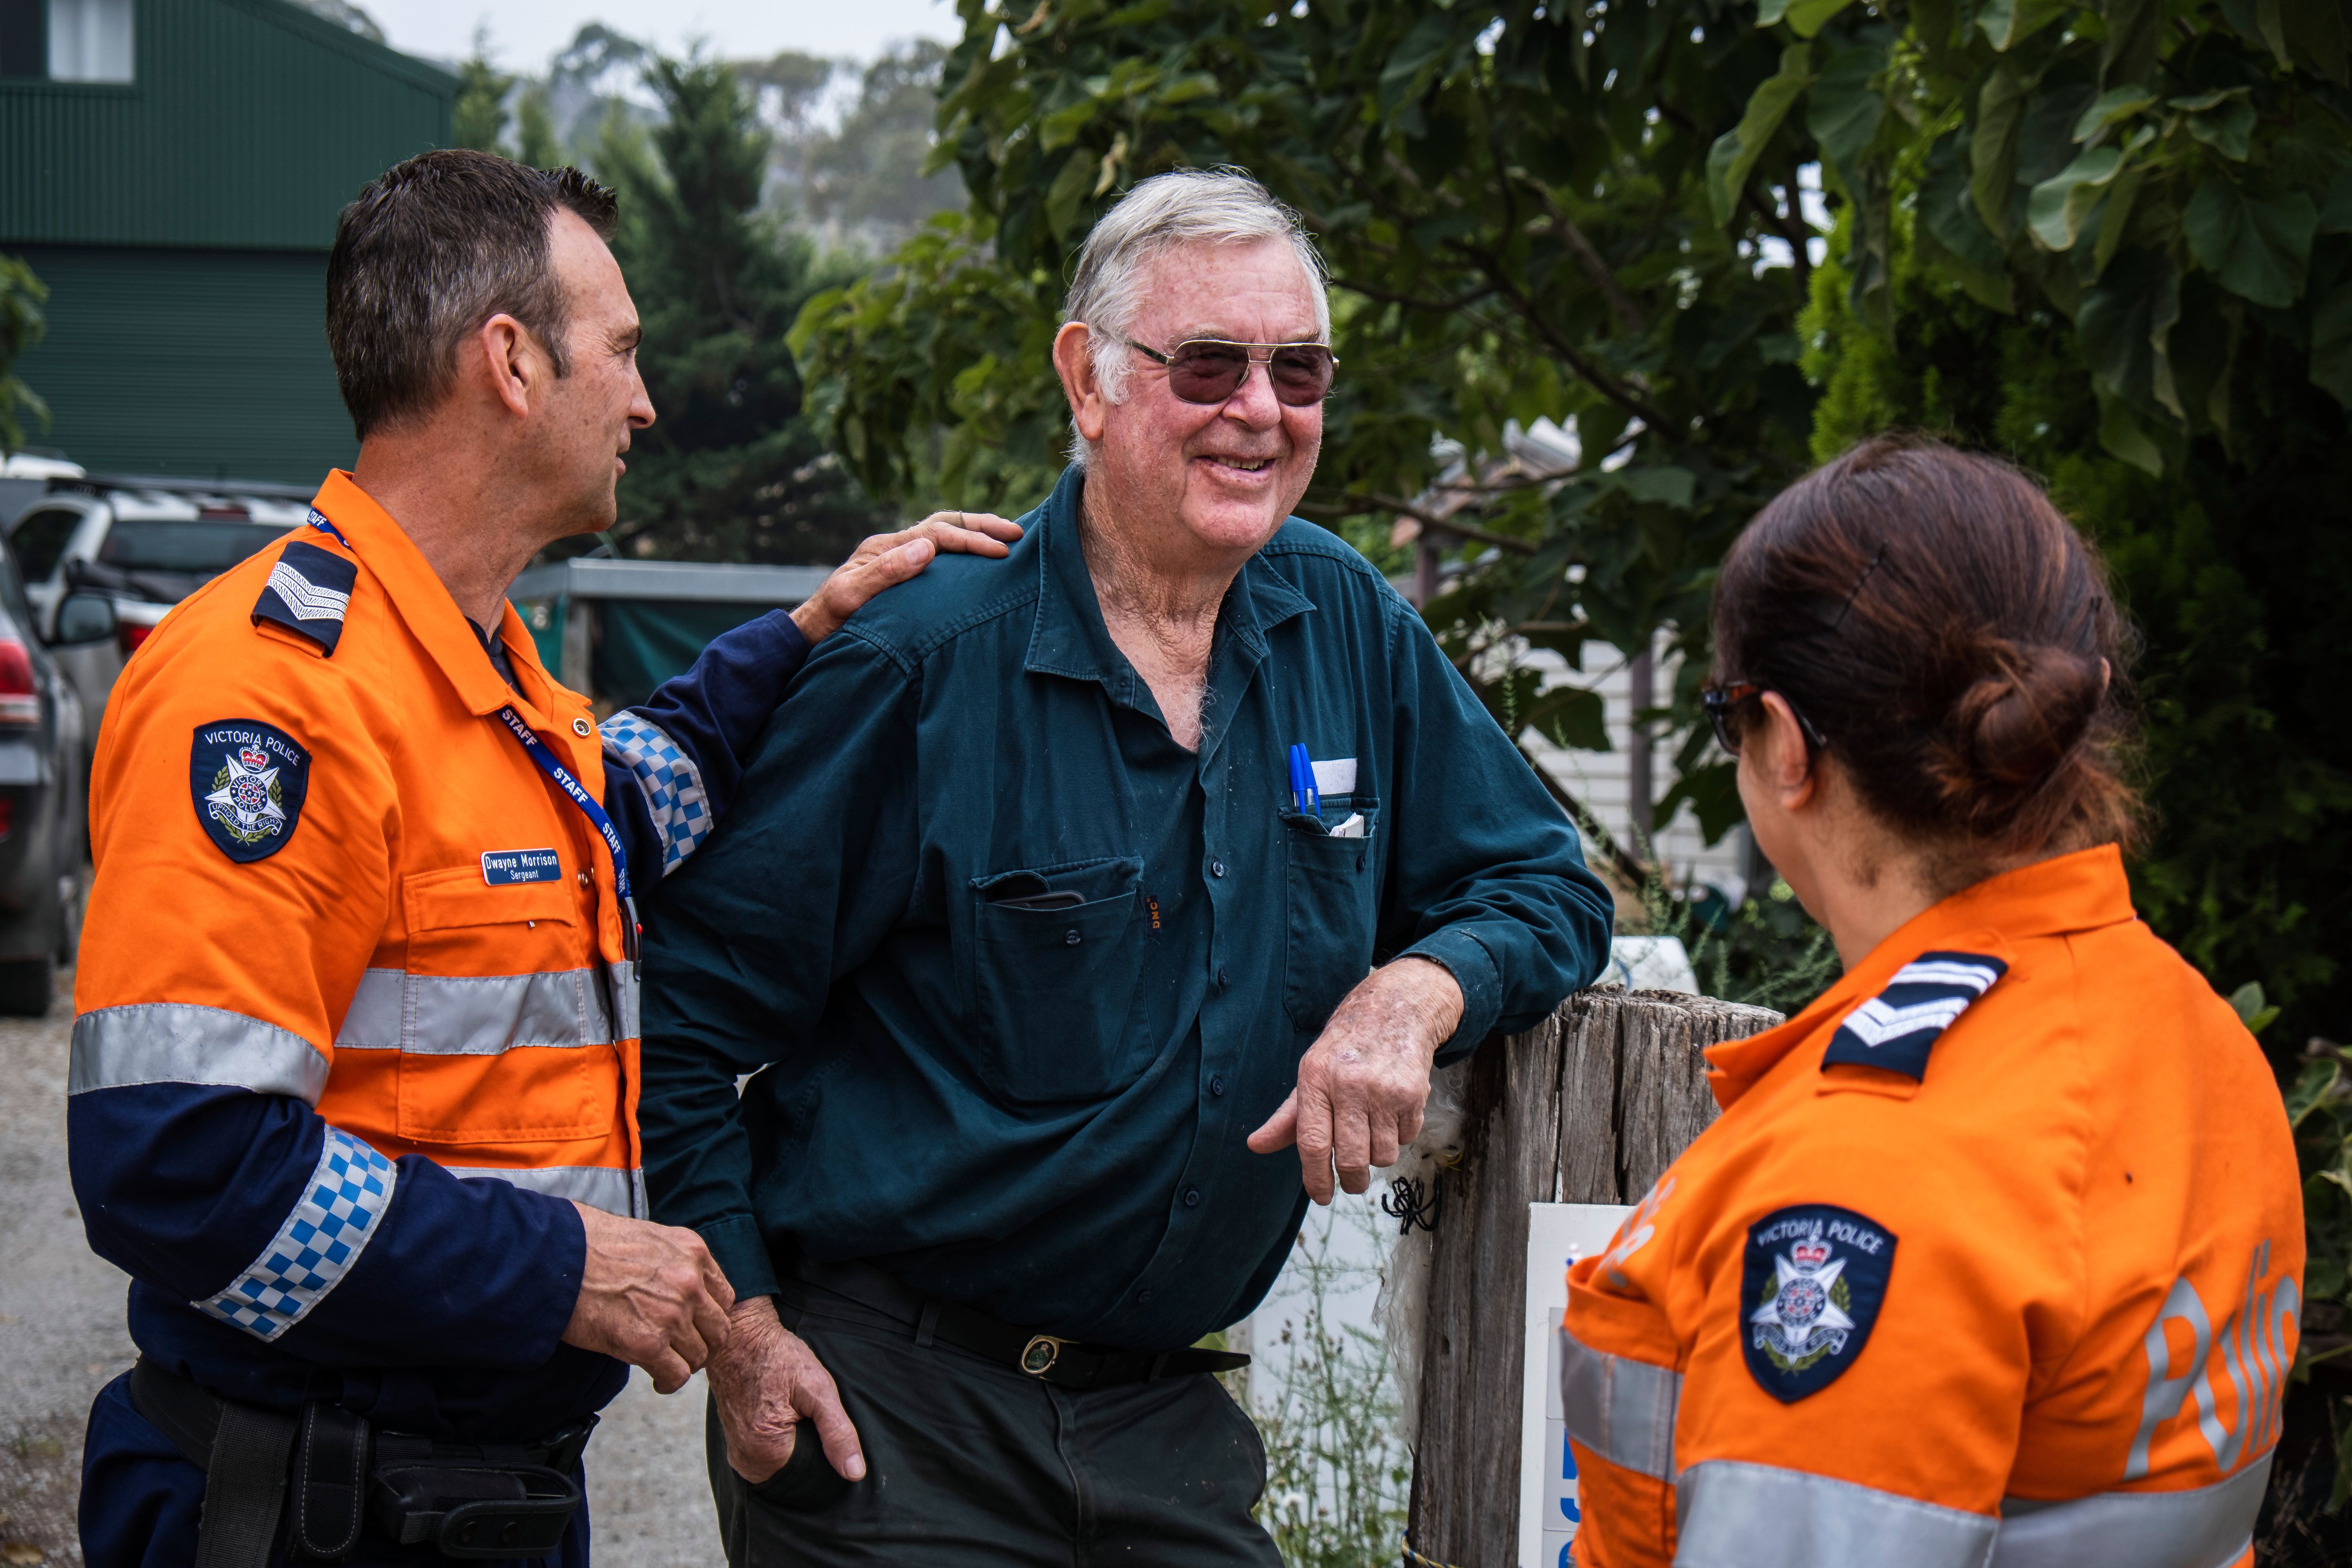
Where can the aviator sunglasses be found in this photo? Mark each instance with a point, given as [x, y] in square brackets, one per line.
[1210, 370]
[1722, 702]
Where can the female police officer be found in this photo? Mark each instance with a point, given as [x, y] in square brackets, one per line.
[1995, 1253]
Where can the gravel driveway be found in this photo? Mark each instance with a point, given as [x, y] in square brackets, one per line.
[61, 1338]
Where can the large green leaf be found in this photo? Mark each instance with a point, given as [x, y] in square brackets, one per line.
[1993, 151]
[2008, 23]
[1953, 232]
[2135, 34]
[2257, 243]
[1807, 17]
[2320, 33]
[2115, 103]
[2311, 1087]
[1735, 153]
[2125, 323]
[2056, 210]
[1843, 110]
[2222, 120]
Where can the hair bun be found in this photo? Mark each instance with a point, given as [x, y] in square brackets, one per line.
[2019, 720]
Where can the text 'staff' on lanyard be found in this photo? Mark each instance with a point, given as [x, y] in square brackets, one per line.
[554, 769]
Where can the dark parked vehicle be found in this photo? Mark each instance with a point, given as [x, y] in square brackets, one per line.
[44, 816]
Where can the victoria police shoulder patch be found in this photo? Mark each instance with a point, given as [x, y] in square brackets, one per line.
[1897, 1028]
[309, 592]
[1812, 1281]
[249, 780]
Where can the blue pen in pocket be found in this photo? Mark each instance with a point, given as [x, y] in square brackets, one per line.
[1302, 782]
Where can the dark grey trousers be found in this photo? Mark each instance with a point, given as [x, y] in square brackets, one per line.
[970, 1464]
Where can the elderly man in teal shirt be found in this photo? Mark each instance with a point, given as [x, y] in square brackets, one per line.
[1166, 845]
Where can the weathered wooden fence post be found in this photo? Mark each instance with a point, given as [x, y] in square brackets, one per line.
[1588, 1108]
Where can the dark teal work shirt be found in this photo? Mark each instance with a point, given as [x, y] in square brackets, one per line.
[1040, 1112]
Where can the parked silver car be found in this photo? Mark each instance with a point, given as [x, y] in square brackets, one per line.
[143, 544]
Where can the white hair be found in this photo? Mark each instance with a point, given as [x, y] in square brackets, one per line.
[1184, 206]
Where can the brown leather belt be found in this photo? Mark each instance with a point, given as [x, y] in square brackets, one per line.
[1065, 1364]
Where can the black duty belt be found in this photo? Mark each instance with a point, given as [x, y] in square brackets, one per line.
[1066, 1364]
[488, 1500]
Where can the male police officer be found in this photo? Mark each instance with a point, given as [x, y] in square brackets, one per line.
[354, 1069]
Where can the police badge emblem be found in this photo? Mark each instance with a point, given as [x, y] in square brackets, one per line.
[1813, 1280]
[249, 780]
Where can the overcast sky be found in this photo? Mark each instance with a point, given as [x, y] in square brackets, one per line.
[525, 33]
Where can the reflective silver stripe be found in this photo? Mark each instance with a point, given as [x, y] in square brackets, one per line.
[2207, 1527]
[323, 1235]
[615, 1192]
[1735, 1515]
[1622, 1409]
[372, 1023]
[623, 979]
[178, 1042]
[439, 1014]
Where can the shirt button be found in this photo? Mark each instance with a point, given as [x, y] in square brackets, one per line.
[1224, 979]
[581, 727]
[1216, 867]
[1217, 1084]
[585, 879]
[1143, 1298]
[1071, 938]
[1191, 1197]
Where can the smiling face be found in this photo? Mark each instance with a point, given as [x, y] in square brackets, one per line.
[1197, 486]
[585, 421]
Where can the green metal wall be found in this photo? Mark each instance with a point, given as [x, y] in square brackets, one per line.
[206, 364]
[250, 124]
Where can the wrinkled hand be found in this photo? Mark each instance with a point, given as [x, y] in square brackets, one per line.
[650, 1295]
[1364, 1083]
[887, 560]
[766, 1382]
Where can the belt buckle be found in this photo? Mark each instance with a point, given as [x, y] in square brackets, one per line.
[1038, 1356]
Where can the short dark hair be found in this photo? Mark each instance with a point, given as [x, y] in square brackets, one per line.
[1942, 627]
[428, 251]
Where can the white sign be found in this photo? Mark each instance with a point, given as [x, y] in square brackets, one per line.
[1558, 1235]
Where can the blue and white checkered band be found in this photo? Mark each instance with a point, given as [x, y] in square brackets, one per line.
[1897, 1028]
[316, 1246]
[309, 592]
[671, 783]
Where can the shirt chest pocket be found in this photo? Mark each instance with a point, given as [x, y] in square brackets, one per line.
[506, 1022]
[1053, 959]
[1329, 885]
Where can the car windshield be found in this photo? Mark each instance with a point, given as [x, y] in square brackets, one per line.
[205, 549]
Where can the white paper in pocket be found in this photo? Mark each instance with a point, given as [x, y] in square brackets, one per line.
[1351, 829]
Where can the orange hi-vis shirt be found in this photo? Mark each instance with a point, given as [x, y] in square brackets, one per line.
[401, 920]
[1995, 1256]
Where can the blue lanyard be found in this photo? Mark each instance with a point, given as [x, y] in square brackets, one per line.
[547, 764]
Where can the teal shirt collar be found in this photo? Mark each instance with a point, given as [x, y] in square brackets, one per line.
[1069, 638]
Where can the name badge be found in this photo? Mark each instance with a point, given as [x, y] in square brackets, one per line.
[504, 867]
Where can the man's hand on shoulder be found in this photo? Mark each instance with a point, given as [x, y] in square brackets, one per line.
[1364, 1083]
[766, 1382]
[650, 1295]
[887, 560]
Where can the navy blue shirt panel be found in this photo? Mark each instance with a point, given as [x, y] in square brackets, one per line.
[1041, 1112]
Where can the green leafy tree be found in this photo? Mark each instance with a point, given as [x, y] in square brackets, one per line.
[731, 470]
[22, 325]
[536, 142]
[478, 119]
[871, 178]
[1516, 203]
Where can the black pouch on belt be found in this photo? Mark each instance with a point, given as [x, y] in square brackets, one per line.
[491, 1503]
[334, 1473]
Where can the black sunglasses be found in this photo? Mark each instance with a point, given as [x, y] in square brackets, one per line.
[1210, 370]
[1721, 702]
